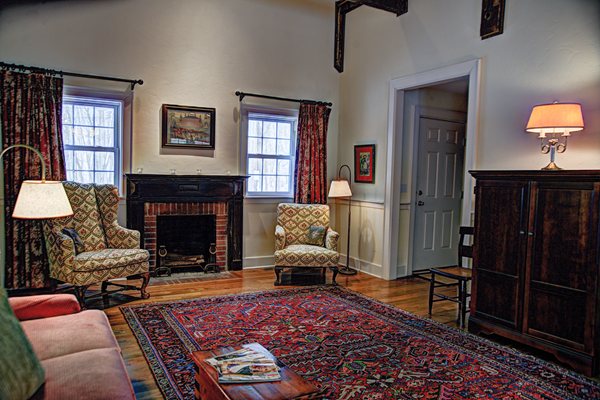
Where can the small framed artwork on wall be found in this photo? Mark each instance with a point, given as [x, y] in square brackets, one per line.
[364, 163]
[184, 126]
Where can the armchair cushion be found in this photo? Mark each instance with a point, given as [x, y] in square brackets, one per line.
[305, 255]
[331, 240]
[316, 235]
[21, 373]
[86, 216]
[44, 306]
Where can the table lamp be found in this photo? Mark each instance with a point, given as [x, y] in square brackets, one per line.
[554, 124]
[340, 188]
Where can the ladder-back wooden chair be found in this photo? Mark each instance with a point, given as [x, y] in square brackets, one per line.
[458, 275]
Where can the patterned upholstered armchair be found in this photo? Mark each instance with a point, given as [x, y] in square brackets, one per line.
[90, 247]
[304, 239]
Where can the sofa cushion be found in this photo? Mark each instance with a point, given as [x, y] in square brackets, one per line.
[21, 373]
[67, 334]
[93, 374]
[316, 235]
[304, 255]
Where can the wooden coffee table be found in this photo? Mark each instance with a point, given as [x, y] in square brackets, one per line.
[207, 387]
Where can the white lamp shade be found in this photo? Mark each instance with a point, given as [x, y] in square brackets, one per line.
[555, 118]
[42, 200]
[340, 188]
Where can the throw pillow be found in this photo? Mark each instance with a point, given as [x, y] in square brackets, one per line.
[21, 373]
[72, 233]
[316, 235]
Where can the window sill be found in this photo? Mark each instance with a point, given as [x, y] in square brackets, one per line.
[268, 199]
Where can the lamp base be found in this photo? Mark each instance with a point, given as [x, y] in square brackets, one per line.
[347, 271]
[551, 167]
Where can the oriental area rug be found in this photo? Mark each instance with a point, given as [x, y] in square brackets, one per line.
[350, 346]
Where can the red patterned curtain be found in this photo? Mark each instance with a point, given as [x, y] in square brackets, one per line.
[30, 113]
[311, 154]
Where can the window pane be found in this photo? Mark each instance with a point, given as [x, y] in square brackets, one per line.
[83, 115]
[67, 114]
[69, 159]
[84, 176]
[269, 183]
[105, 161]
[283, 167]
[283, 130]
[270, 129]
[270, 166]
[105, 178]
[255, 166]
[254, 128]
[283, 184]
[269, 146]
[105, 116]
[70, 175]
[254, 183]
[283, 147]
[83, 136]
[84, 160]
[67, 134]
[254, 146]
[105, 137]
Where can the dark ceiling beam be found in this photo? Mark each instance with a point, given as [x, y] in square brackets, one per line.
[343, 7]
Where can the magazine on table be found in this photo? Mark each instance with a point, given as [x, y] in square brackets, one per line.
[245, 366]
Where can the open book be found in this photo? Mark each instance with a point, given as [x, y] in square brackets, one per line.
[245, 366]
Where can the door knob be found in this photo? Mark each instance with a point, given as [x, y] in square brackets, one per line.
[420, 193]
[420, 203]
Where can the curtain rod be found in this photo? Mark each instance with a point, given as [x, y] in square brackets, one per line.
[241, 95]
[25, 68]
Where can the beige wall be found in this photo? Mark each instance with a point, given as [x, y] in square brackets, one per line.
[190, 52]
[550, 50]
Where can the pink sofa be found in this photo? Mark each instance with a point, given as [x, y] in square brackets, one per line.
[78, 350]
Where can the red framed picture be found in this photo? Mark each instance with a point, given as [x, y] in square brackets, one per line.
[364, 163]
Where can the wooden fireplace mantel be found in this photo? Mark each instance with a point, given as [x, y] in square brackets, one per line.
[154, 188]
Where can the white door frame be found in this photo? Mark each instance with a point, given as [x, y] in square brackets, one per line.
[471, 69]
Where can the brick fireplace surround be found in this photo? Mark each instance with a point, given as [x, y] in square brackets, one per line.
[150, 196]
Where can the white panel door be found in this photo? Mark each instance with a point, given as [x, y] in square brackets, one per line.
[439, 193]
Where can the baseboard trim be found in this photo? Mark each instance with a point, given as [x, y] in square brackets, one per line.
[363, 266]
[259, 262]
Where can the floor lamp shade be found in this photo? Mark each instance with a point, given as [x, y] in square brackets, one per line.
[340, 188]
[42, 200]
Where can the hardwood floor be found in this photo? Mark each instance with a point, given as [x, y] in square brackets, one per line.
[410, 294]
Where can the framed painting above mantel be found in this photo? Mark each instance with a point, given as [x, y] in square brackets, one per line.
[188, 127]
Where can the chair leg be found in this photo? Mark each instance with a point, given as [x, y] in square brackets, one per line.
[335, 272]
[278, 275]
[103, 288]
[431, 289]
[80, 294]
[463, 303]
[145, 280]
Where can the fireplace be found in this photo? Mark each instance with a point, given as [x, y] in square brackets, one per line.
[185, 242]
[181, 207]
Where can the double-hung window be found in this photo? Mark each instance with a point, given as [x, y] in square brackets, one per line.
[92, 130]
[270, 139]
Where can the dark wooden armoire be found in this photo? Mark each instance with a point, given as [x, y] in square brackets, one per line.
[536, 261]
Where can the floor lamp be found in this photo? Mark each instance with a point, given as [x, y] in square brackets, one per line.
[40, 199]
[340, 188]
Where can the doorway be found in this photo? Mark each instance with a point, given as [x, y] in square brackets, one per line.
[401, 178]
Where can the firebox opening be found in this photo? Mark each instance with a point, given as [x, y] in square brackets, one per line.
[183, 242]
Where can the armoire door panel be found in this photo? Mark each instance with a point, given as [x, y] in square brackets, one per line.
[497, 298]
[556, 313]
[500, 217]
[565, 235]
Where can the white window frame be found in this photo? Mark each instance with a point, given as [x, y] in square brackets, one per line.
[124, 120]
[245, 111]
